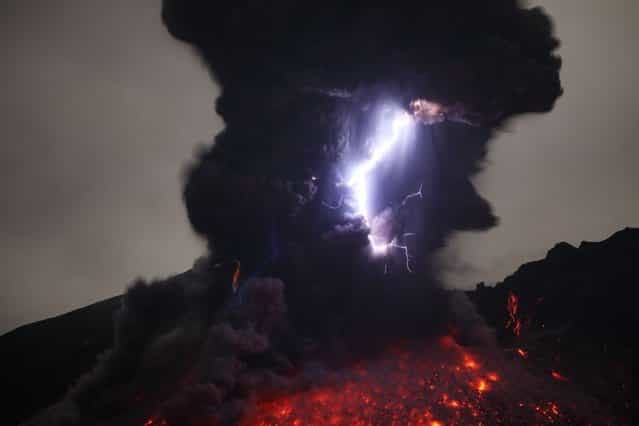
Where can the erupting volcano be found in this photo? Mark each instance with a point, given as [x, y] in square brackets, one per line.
[352, 132]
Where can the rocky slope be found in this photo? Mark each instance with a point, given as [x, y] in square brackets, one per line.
[577, 313]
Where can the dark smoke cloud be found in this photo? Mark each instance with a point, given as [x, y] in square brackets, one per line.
[493, 60]
[302, 88]
[183, 345]
[299, 83]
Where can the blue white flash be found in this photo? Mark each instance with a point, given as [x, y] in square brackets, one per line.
[383, 145]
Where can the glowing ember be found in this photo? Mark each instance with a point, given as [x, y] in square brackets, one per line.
[469, 362]
[154, 421]
[236, 275]
[408, 385]
[522, 353]
[512, 305]
[482, 386]
[558, 376]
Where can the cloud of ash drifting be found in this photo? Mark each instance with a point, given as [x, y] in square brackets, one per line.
[300, 90]
[303, 87]
[183, 346]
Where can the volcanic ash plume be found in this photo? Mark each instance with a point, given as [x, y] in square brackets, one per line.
[351, 135]
[352, 131]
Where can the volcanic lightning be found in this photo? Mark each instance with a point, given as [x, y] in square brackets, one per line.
[401, 123]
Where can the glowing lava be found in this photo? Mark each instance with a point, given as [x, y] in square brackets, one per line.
[512, 305]
[236, 276]
[155, 421]
[436, 384]
[557, 376]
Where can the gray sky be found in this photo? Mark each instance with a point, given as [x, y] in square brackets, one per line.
[102, 109]
[97, 123]
[570, 175]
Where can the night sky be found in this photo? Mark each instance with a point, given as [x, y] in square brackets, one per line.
[98, 123]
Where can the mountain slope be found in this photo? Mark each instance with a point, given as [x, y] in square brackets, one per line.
[591, 288]
[40, 361]
[578, 315]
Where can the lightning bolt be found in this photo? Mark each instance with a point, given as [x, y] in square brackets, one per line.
[404, 250]
[401, 123]
[413, 195]
[335, 206]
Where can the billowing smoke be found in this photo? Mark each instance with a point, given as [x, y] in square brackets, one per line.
[306, 90]
[301, 91]
[293, 275]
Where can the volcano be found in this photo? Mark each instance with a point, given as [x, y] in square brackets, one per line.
[352, 134]
[431, 382]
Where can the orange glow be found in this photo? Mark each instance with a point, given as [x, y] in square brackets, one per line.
[469, 362]
[522, 353]
[555, 375]
[512, 306]
[442, 384]
[154, 421]
[236, 275]
[427, 384]
[549, 411]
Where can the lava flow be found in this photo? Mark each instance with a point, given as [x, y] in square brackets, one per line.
[414, 384]
[512, 306]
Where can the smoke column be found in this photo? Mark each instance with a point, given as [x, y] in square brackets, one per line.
[295, 205]
[304, 90]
